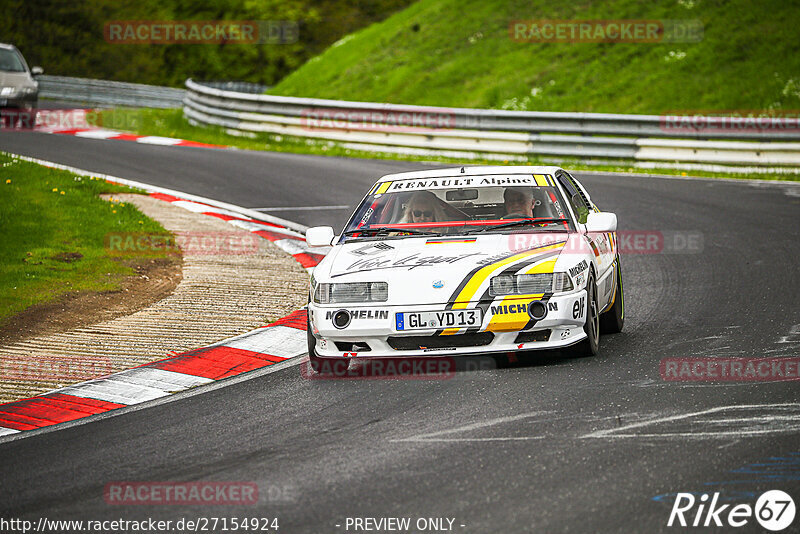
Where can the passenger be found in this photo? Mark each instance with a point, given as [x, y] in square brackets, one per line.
[519, 202]
[423, 207]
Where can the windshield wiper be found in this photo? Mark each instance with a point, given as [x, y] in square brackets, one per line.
[383, 230]
[517, 223]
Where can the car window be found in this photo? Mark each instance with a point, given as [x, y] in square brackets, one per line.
[10, 61]
[580, 204]
[582, 191]
[461, 205]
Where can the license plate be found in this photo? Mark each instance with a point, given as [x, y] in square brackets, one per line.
[438, 319]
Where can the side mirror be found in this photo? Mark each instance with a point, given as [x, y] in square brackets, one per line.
[36, 71]
[601, 222]
[319, 236]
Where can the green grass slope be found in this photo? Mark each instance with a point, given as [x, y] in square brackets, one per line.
[459, 53]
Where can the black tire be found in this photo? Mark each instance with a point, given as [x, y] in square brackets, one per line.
[591, 345]
[612, 320]
[324, 366]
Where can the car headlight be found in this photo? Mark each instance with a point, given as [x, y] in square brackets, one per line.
[28, 90]
[562, 283]
[6, 91]
[351, 292]
[524, 284]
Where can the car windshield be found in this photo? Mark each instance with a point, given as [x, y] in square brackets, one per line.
[459, 206]
[10, 61]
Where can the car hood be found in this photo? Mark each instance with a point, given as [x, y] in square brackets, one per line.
[438, 270]
[16, 79]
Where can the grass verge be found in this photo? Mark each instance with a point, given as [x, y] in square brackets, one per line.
[55, 229]
[466, 53]
[170, 123]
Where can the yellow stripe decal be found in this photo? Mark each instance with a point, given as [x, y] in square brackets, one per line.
[382, 189]
[541, 267]
[480, 277]
[541, 180]
[506, 322]
[468, 293]
[511, 318]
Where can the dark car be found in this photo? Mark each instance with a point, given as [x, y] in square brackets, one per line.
[19, 91]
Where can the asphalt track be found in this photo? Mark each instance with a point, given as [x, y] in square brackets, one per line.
[550, 444]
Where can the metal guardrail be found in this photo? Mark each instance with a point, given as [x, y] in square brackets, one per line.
[238, 87]
[103, 92]
[480, 132]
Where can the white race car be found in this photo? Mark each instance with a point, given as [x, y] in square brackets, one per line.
[468, 260]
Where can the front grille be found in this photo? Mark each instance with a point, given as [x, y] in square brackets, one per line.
[537, 335]
[436, 342]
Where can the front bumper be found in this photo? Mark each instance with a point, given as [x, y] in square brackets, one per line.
[19, 101]
[505, 328]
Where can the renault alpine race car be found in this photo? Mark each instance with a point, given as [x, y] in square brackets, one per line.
[464, 261]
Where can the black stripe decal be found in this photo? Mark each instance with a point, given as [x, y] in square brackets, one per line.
[515, 267]
[530, 324]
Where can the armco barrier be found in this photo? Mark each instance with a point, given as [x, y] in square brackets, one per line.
[89, 91]
[486, 132]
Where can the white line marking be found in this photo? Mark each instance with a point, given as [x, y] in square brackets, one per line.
[254, 227]
[7, 431]
[97, 134]
[134, 385]
[156, 140]
[293, 246]
[618, 432]
[794, 332]
[195, 207]
[283, 341]
[466, 440]
[157, 402]
[473, 426]
[753, 419]
[720, 434]
[302, 208]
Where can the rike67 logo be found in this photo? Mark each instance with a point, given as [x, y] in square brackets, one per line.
[774, 510]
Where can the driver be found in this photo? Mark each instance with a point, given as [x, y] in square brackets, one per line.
[519, 202]
[423, 207]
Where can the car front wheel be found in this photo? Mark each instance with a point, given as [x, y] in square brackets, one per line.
[591, 345]
[612, 321]
[324, 366]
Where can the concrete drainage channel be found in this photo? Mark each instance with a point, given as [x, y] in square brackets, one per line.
[263, 347]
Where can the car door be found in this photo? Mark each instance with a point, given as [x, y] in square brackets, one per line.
[603, 245]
